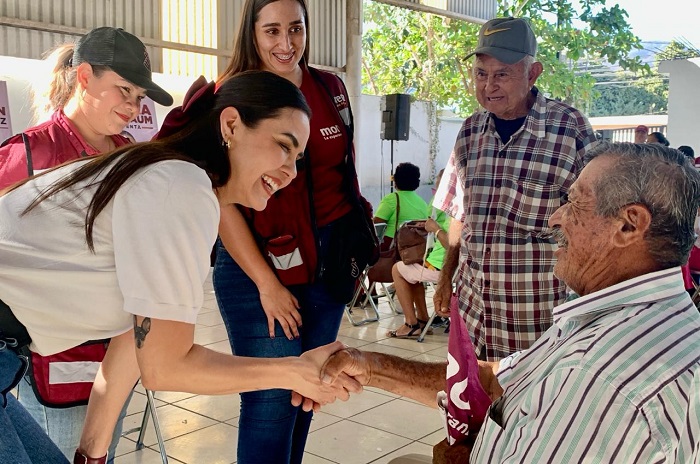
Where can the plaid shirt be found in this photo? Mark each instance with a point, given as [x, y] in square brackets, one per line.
[504, 194]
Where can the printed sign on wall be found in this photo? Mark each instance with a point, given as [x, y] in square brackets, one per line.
[145, 126]
[5, 123]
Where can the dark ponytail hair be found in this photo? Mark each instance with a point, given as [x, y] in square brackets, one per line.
[257, 95]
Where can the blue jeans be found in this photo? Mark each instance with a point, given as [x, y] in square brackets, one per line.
[21, 441]
[64, 425]
[270, 429]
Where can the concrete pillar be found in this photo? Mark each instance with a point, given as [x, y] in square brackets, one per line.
[353, 67]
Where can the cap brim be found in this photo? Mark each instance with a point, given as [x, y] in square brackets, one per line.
[501, 54]
[153, 90]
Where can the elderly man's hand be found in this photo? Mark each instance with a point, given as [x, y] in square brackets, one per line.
[441, 298]
[488, 379]
[349, 361]
[316, 392]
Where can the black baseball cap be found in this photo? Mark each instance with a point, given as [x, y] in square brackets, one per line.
[125, 54]
[509, 40]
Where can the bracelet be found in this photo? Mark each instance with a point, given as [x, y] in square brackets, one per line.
[82, 458]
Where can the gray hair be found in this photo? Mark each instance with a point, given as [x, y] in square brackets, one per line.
[665, 182]
[527, 63]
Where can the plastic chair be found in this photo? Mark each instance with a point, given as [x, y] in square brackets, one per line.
[428, 325]
[379, 229]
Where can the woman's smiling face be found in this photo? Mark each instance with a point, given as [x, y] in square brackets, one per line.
[263, 157]
[280, 37]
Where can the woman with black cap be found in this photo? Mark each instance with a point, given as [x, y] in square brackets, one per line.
[95, 91]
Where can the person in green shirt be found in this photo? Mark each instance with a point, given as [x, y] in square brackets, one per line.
[404, 202]
[408, 279]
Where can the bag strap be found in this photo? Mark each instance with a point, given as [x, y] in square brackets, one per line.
[349, 173]
[28, 155]
[312, 213]
[394, 240]
[398, 212]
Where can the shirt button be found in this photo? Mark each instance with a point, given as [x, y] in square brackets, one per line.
[488, 251]
[498, 185]
[487, 283]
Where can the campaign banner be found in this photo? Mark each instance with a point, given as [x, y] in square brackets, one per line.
[145, 126]
[5, 123]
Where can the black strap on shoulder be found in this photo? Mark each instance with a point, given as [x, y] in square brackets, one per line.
[28, 155]
[350, 171]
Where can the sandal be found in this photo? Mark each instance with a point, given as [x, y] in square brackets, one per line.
[424, 323]
[414, 332]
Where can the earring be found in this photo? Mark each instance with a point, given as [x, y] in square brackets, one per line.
[226, 143]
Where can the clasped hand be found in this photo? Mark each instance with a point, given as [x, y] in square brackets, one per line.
[331, 372]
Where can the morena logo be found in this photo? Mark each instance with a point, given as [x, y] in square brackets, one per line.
[331, 132]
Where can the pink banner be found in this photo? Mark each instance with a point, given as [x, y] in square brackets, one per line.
[145, 126]
[467, 401]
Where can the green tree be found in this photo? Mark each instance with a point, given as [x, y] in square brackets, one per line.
[640, 92]
[419, 54]
[626, 99]
[422, 54]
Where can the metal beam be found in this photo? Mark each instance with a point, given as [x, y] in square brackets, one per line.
[433, 10]
[77, 31]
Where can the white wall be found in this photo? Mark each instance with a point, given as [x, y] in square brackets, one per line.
[373, 158]
[683, 102]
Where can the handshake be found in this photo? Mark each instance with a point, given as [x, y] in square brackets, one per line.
[329, 373]
[334, 371]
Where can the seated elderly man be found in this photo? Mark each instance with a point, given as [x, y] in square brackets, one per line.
[617, 377]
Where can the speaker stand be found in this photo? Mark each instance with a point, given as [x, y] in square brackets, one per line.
[391, 173]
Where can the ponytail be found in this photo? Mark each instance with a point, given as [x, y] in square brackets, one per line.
[55, 93]
[60, 87]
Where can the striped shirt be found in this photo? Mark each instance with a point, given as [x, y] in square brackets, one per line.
[504, 194]
[615, 379]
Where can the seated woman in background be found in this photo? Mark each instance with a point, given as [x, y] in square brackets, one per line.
[409, 278]
[133, 230]
[402, 205]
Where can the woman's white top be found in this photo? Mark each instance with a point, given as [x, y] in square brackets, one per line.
[152, 246]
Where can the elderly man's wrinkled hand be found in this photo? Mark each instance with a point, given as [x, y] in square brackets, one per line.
[313, 393]
[442, 296]
[347, 362]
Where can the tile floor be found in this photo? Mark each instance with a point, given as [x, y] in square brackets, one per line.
[373, 427]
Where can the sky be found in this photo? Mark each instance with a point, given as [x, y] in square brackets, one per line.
[664, 20]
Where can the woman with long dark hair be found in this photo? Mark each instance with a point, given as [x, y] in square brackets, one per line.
[93, 92]
[131, 234]
[276, 279]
